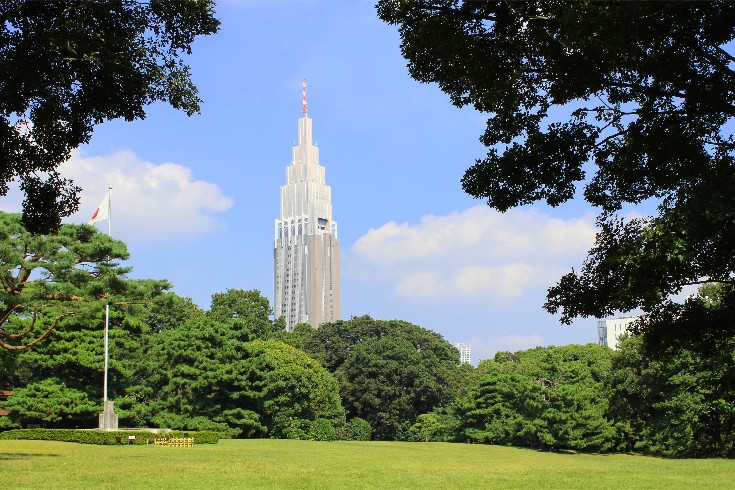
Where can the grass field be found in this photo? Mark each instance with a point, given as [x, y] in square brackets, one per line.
[344, 465]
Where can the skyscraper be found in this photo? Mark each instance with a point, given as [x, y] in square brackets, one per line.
[306, 251]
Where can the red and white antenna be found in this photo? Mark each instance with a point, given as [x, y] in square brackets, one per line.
[305, 106]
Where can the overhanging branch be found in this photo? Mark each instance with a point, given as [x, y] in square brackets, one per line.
[56, 320]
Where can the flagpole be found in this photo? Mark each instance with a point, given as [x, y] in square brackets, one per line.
[107, 306]
[107, 324]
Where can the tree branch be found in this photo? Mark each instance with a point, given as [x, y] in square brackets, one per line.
[38, 339]
[720, 64]
[707, 281]
[694, 95]
[608, 138]
[63, 297]
[456, 12]
[25, 332]
[725, 54]
[6, 286]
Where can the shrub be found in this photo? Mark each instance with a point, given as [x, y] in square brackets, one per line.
[322, 430]
[7, 423]
[357, 429]
[103, 437]
[426, 429]
[292, 429]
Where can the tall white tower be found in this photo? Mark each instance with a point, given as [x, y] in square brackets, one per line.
[306, 250]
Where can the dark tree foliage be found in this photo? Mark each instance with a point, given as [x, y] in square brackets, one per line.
[389, 371]
[679, 400]
[630, 99]
[548, 398]
[68, 65]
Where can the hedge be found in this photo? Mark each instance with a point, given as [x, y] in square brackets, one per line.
[110, 437]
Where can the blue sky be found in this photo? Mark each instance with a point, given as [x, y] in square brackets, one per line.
[195, 198]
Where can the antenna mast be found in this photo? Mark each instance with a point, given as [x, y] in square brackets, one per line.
[304, 106]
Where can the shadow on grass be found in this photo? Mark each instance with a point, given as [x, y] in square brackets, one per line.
[571, 452]
[9, 456]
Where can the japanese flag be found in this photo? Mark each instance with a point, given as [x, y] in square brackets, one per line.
[103, 211]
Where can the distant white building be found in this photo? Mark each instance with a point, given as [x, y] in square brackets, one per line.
[609, 331]
[465, 356]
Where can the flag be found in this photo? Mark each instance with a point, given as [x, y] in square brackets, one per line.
[103, 211]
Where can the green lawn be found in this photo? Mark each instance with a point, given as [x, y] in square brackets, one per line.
[306, 464]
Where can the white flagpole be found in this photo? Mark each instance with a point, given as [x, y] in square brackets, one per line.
[107, 306]
[107, 324]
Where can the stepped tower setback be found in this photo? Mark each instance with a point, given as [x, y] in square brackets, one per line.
[306, 247]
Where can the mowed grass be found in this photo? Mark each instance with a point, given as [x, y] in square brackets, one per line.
[345, 465]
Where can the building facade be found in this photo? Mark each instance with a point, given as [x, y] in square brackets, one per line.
[465, 354]
[609, 331]
[306, 247]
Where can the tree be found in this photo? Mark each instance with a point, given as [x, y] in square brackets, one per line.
[68, 65]
[194, 379]
[215, 371]
[545, 398]
[202, 376]
[678, 400]
[67, 366]
[638, 95]
[169, 310]
[389, 371]
[51, 403]
[297, 337]
[244, 311]
[194, 373]
[292, 390]
[53, 291]
[429, 427]
[44, 279]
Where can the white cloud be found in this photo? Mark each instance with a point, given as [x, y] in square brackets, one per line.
[476, 253]
[150, 202]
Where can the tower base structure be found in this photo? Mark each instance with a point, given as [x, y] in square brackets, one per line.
[108, 417]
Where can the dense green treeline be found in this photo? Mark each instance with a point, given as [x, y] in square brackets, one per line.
[233, 369]
[550, 398]
[675, 402]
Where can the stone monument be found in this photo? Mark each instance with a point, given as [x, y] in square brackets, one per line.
[108, 418]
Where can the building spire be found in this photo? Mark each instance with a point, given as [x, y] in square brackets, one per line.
[305, 106]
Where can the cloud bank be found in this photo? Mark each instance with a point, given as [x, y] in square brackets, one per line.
[478, 253]
[150, 202]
